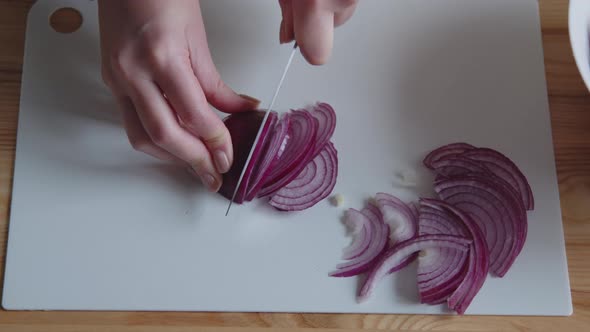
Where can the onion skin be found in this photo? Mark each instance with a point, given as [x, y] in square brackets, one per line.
[243, 128]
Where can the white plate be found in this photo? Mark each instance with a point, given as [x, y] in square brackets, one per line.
[579, 29]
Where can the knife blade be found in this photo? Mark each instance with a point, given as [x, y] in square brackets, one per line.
[267, 112]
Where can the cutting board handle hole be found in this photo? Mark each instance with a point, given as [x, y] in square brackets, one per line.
[66, 20]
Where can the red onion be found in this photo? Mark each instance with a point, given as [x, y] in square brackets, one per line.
[504, 168]
[478, 261]
[301, 133]
[402, 221]
[401, 251]
[326, 118]
[377, 231]
[498, 211]
[439, 269]
[270, 156]
[294, 163]
[243, 128]
[458, 165]
[312, 185]
[446, 151]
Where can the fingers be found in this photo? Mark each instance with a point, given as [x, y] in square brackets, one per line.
[314, 30]
[216, 92]
[186, 96]
[163, 128]
[138, 137]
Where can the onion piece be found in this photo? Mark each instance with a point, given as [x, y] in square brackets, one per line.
[498, 211]
[377, 232]
[402, 221]
[243, 128]
[478, 261]
[445, 151]
[360, 236]
[312, 185]
[440, 270]
[270, 156]
[401, 251]
[326, 117]
[302, 131]
[504, 168]
[458, 165]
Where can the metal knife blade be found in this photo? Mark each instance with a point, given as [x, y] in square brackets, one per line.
[272, 102]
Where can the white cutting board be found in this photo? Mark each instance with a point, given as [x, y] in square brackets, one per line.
[96, 225]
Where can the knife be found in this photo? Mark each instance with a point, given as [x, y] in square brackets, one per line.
[267, 112]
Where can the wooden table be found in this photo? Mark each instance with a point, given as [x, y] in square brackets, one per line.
[570, 114]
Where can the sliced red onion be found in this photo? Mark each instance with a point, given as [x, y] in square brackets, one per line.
[360, 237]
[478, 261]
[458, 165]
[302, 131]
[378, 232]
[269, 156]
[445, 151]
[312, 185]
[401, 251]
[498, 211]
[439, 269]
[243, 128]
[326, 117]
[503, 167]
[402, 221]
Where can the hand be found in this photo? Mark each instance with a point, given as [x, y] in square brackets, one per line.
[311, 23]
[156, 61]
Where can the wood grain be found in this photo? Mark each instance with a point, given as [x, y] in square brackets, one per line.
[570, 114]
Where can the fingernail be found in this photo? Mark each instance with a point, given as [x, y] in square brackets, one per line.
[221, 161]
[209, 181]
[251, 99]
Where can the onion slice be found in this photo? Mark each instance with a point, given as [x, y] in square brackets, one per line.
[478, 261]
[458, 165]
[446, 151]
[312, 185]
[302, 131]
[440, 270]
[326, 117]
[377, 232]
[500, 165]
[270, 156]
[243, 128]
[498, 211]
[402, 221]
[401, 251]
